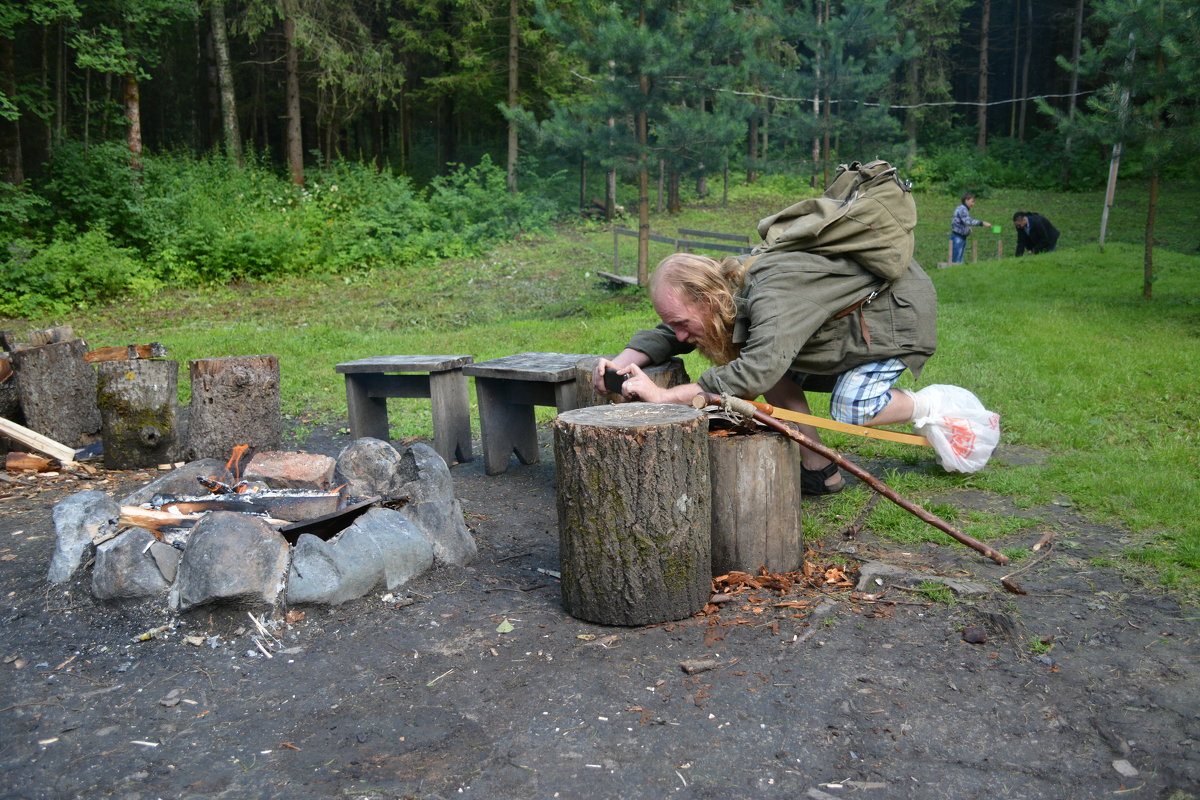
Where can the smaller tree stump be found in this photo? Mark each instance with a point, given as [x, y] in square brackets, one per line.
[755, 503]
[139, 406]
[57, 389]
[668, 374]
[235, 400]
[633, 512]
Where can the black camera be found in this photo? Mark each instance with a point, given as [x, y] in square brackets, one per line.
[613, 381]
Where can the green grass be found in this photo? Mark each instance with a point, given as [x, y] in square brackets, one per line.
[1079, 366]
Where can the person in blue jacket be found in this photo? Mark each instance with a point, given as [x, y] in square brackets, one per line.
[960, 227]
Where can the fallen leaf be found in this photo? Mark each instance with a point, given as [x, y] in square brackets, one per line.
[504, 627]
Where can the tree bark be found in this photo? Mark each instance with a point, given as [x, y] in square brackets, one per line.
[58, 391]
[634, 513]
[981, 117]
[229, 119]
[133, 114]
[12, 169]
[1076, 46]
[1025, 68]
[294, 141]
[235, 401]
[514, 40]
[139, 405]
[756, 518]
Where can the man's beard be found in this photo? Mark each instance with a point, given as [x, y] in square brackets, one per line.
[716, 343]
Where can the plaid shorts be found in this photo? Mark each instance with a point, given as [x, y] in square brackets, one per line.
[860, 393]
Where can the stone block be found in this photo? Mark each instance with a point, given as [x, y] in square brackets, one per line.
[78, 521]
[180, 481]
[232, 557]
[281, 470]
[125, 569]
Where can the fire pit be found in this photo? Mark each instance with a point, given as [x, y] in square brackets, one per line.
[277, 533]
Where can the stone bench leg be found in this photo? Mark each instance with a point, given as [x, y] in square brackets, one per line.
[451, 415]
[505, 427]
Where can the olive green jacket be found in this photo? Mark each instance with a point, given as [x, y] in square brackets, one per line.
[785, 321]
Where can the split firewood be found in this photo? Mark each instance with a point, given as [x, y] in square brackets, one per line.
[129, 352]
[6, 369]
[59, 333]
[43, 444]
[18, 462]
[153, 520]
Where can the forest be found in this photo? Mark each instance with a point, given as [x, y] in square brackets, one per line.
[109, 107]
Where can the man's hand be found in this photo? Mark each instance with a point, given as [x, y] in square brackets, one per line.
[620, 364]
[638, 386]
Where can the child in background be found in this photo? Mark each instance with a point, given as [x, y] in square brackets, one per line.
[960, 227]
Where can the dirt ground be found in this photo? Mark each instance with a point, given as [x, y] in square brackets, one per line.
[482, 686]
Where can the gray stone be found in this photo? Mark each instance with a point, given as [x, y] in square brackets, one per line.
[873, 576]
[442, 523]
[233, 557]
[78, 520]
[125, 569]
[406, 553]
[370, 467]
[313, 576]
[424, 475]
[180, 481]
[167, 559]
[381, 545]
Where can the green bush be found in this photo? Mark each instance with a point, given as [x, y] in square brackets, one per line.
[93, 187]
[70, 273]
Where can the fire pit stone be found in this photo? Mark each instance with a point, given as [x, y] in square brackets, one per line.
[281, 470]
[122, 570]
[232, 557]
[80, 520]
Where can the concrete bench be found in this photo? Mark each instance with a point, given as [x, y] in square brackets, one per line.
[507, 389]
[370, 381]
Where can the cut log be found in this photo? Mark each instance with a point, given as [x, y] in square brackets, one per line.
[633, 512]
[59, 333]
[235, 401]
[19, 462]
[33, 439]
[127, 353]
[755, 503]
[58, 391]
[668, 374]
[139, 405]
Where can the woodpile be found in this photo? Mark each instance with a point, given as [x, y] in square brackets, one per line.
[57, 396]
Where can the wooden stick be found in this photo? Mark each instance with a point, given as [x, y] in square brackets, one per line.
[43, 444]
[127, 353]
[841, 427]
[747, 409]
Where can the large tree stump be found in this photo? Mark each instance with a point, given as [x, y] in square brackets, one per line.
[138, 411]
[668, 374]
[235, 401]
[633, 512]
[755, 503]
[58, 391]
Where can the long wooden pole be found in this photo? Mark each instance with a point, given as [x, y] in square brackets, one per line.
[746, 409]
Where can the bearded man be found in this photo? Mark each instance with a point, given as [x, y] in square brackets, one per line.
[781, 324]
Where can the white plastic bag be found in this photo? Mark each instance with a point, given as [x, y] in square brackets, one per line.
[963, 433]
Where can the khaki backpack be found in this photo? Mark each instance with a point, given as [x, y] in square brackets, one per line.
[867, 213]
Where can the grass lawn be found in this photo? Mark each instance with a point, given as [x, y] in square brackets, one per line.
[1079, 365]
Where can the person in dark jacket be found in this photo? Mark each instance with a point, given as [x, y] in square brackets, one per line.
[1034, 233]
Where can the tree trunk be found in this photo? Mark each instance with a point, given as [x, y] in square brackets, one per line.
[1076, 46]
[229, 119]
[58, 391]
[1025, 68]
[1151, 213]
[234, 401]
[756, 518]
[981, 117]
[514, 41]
[133, 114]
[669, 374]
[643, 265]
[11, 169]
[138, 403]
[634, 513]
[294, 144]
[752, 149]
